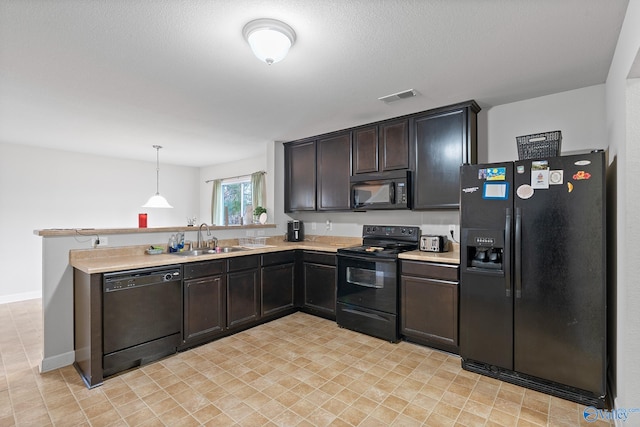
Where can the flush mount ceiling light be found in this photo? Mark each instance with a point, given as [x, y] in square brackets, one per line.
[269, 39]
[157, 201]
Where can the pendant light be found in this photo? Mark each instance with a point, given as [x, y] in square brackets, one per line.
[269, 39]
[157, 201]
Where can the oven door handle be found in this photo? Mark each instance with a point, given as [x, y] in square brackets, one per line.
[366, 258]
[366, 285]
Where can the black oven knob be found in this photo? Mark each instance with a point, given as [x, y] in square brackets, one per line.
[168, 277]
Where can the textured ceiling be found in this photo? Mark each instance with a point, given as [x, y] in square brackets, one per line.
[115, 77]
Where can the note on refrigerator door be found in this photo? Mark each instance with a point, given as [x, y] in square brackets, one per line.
[540, 175]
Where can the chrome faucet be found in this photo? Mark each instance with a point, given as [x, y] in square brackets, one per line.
[200, 239]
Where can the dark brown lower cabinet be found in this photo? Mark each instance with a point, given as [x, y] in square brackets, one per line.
[204, 307]
[243, 287]
[87, 300]
[278, 282]
[319, 284]
[204, 301]
[429, 304]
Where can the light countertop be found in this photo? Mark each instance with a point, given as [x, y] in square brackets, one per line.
[103, 260]
[452, 257]
[59, 232]
[110, 259]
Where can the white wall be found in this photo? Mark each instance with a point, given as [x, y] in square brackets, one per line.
[579, 114]
[623, 110]
[42, 188]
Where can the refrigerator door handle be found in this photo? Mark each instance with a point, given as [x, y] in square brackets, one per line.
[507, 253]
[518, 257]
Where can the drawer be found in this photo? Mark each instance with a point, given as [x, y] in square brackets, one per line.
[243, 262]
[278, 258]
[431, 270]
[319, 257]
[202, 269]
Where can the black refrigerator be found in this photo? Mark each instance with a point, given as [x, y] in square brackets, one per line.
[533, 274]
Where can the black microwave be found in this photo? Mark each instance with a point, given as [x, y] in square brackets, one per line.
[387, 190]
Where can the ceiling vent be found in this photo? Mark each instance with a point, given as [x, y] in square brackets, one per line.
[398, 96]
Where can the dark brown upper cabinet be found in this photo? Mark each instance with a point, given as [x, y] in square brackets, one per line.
[382, 147]
[394, 146]
[445, 138]
[317, 173]
[431, 143]
[300, 176]
[334, 170]
[365, 150]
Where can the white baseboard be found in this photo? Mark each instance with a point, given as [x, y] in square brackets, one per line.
[5, 299]
[59, 361]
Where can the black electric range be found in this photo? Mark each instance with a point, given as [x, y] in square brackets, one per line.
[368, 280]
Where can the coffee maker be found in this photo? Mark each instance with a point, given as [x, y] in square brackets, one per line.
[295, 231]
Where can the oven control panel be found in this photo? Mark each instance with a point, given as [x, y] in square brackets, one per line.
[400, 232]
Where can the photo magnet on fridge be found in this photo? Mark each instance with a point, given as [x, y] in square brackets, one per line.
[540, 175]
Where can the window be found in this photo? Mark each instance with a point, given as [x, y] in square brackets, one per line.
[236, 197]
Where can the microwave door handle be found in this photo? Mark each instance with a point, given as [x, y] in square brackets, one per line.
[392, 193]
[355, 202]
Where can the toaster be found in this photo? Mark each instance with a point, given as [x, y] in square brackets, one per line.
[434, 243]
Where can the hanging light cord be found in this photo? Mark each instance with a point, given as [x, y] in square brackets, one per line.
[157, 147]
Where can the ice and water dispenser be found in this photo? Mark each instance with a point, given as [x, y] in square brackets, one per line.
[484, 249]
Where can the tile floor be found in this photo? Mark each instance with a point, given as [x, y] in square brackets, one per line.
[300, 370]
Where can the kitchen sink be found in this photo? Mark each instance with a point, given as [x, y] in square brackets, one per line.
[233, 249]
[195, 252]
[206, 251]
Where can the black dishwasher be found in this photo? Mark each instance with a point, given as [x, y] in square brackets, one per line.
[142, 316]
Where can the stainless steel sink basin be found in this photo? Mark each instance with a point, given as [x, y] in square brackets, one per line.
[206, 251]
[233, 249]
[195, 252]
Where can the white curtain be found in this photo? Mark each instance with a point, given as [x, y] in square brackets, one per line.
[258, 189]
[216, 202]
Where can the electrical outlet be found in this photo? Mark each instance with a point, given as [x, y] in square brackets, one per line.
[313, 225]
[98, 242]
[329, 225]
[452, 232]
